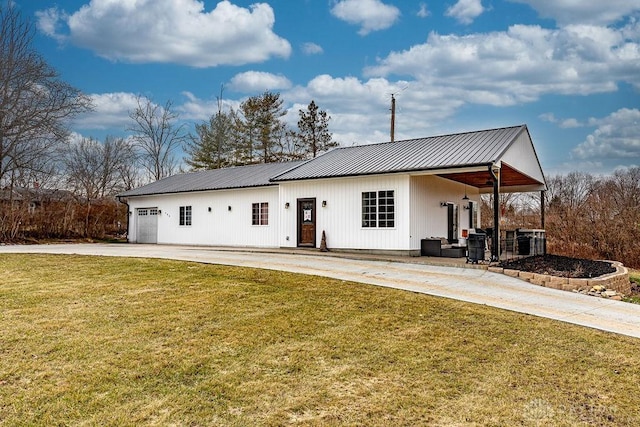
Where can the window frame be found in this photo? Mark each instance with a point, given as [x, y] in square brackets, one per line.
[378, 209]
[260, 214]
[185, 216]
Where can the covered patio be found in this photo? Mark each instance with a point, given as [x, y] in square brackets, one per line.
[516, 169]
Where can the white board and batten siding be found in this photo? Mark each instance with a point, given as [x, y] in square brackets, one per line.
[212, 222]
[341, 218]
[428, 218]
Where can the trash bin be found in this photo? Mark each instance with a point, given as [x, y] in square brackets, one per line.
[524, 245]
[476, 245]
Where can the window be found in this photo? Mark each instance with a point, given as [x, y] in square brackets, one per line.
[185, 215]
[378, 209]
[369, 209]
[473, 215]
[260, 213]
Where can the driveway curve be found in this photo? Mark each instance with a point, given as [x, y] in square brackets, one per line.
[465, 284]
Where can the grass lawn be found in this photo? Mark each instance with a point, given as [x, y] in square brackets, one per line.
[115, 341]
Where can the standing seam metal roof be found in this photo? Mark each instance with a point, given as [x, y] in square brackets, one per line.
[446, 151]
[216, 179]
[477, 148]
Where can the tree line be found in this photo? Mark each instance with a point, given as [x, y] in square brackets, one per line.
[53, 186]
[586, 216]
[38, 153]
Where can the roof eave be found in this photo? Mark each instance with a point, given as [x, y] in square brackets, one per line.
[161, 193]
[432, 170]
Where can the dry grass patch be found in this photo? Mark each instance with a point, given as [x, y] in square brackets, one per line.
[109, 341]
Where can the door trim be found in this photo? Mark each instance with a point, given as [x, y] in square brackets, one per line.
[299, 219]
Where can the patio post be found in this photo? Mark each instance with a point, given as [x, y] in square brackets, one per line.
[495, 247]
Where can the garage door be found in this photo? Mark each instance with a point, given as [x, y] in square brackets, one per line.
[147, 225]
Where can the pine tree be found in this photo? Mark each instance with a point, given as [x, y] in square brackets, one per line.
[211, 146]
[314, 136]
[259, 128]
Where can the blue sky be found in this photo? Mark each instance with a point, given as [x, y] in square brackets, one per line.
[568, 69]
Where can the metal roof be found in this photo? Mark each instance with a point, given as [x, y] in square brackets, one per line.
[446, 151]
[217, 179]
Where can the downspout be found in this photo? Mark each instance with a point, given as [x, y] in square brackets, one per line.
[128, 214]
[495, 247]
[543, 194]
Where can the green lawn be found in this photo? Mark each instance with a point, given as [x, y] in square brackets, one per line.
[115, 341]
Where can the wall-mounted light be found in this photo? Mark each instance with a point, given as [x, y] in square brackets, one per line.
[159, 211]
[286, 205]
[130, 213]
[324, 203]
[443, 204]
[209, 208]
[229, 208]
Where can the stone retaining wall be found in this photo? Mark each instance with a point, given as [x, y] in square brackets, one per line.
[617, 281]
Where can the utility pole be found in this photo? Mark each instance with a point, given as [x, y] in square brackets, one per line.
[393, 117]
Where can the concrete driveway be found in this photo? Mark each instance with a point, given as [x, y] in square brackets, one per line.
[465, 284]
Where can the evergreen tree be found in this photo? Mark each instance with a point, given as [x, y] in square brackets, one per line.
[211, 147]
[260, 128]
[314, 136]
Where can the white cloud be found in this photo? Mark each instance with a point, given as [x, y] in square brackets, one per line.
[617, 137]
[423, 12]
[258, 81]
[196, 109]
[521, 64]
[311, 49]
[465, 11]
[371, 15]
[48, 22]
[360, 108]
[570, 124]
[564, 124]
[585, 12]
[111, 111]
[170, 31]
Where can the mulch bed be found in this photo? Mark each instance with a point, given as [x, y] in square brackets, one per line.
[560, 266]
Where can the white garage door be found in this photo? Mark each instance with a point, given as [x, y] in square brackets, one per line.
[147, 225]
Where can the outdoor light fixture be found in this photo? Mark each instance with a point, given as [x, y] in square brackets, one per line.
[465, 193]
[229, 208]
[324, 203]
[286, 205]
[209, 208]
[443, 204]
[159, 211]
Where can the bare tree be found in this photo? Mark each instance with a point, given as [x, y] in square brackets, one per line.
[35, 105]
[157, 136]
[94, 169]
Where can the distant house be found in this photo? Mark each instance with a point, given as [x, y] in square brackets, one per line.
[381, 197]
[36, 198]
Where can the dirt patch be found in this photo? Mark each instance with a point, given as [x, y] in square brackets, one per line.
[561, 266]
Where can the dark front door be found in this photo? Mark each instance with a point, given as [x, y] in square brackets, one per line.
[307, 222]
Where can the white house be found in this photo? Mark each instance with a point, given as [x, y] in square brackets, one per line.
[381, 197]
